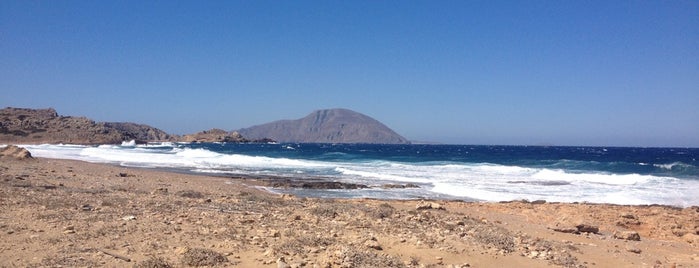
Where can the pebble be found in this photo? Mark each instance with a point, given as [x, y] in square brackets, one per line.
[627, 235]
[634, 250]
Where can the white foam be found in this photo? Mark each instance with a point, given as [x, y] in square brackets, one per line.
[672, 165]
[131, 143]
[560, 175]
[482, 181]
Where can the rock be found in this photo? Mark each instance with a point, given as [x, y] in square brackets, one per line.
[69, 230]
[373, 244]
[691, 238]
[538, 202]
[586, 228]
[312, 184]
[627, 235]
[281, 263]
[215, 135]
[629, 216]
[568, 230]
[633, 249]
[399, 186]
[15, 152]
[428, 205]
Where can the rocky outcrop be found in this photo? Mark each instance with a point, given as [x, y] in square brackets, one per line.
[15, 152]
[21, 125]
[220, 135]
[213, 135]
[139, 132]
[627, 235]
[327, 126]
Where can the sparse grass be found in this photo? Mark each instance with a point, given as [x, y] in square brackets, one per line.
[190, 194]
[491, 235]
[325, 211]
[154, 262]
[384, 210]
[65, 261]
[361, 259]
[301, 244]
[203, 257]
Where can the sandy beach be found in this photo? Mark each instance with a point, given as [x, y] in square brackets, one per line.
[62, 213]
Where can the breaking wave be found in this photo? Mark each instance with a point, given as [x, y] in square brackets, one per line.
[555, 181]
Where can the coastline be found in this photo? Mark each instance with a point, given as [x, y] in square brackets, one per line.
[73, 213]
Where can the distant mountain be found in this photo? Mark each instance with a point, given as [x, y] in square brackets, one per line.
[21, 125]
[327, 126]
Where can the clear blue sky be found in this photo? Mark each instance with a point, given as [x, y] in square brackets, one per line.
[477, 72]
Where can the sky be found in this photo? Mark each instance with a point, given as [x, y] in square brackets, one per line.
[599, 73]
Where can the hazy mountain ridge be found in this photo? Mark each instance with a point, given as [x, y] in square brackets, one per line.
[327, 126]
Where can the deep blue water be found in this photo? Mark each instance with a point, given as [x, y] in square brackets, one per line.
[675, 162]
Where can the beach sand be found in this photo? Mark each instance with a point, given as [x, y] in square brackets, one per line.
[77, 214]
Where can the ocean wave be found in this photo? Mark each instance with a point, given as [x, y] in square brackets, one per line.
[674, 166]
[551, 181]
[131, 143]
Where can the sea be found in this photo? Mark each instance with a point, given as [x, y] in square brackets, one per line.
[615, 175]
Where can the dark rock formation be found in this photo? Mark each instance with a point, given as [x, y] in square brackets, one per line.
[213, 135]
[139, 132]
[311, 184]
[327, 126]
[219, 135]
[20, 125]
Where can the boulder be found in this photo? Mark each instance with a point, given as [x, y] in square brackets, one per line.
[627, 235]
[428, 205]
[587, 228]
[12, 151]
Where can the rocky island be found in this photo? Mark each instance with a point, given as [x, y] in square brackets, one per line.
[327, 126]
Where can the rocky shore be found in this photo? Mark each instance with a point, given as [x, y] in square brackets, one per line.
[61, 213]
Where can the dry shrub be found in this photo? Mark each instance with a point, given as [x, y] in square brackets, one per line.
[202, 257]
[190, 194]
[153, 262]
[324, 211]
[351, 257]
[65, 261]
[491, 235]
[300, 244]
[382, 211]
